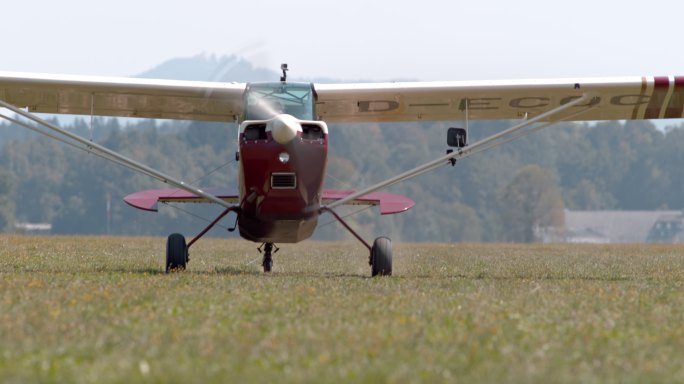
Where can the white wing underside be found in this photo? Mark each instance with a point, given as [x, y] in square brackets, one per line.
[618, 98]
[124, 97]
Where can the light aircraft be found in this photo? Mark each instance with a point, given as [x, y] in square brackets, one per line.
[283, 135]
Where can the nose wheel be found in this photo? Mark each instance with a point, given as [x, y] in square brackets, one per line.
[268, 250]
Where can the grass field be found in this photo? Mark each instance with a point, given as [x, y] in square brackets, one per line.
[90, 309]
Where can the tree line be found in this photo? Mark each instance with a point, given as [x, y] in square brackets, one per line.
[498, 195]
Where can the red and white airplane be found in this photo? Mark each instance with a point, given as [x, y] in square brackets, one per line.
[283, 136]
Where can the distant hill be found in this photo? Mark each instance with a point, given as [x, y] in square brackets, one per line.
[231, 68]
[210, 68]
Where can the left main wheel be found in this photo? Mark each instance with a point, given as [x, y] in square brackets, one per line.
[176, 253]
[381, 257]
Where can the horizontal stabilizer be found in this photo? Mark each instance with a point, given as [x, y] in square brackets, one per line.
[389, 203]
[147, 200]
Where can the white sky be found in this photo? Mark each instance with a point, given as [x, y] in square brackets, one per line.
[351, 39]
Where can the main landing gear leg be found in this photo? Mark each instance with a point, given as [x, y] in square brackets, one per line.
[380, 258]
[177, 251]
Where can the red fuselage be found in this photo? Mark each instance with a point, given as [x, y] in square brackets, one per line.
[280, 199]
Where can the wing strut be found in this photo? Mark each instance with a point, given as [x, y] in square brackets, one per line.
[495, 140]
[91, 147]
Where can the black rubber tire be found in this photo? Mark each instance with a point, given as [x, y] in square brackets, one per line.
[268, 266]
[381, 257]
[176, 253]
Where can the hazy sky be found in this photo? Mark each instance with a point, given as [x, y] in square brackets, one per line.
[351, 39]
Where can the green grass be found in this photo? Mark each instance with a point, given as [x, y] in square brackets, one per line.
[92, 309]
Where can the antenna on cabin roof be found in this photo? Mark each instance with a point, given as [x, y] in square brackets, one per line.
[283, 67]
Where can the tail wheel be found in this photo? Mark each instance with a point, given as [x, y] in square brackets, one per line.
[381, 257]
[176, 253]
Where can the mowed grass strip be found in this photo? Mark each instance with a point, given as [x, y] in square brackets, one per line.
[99, 309]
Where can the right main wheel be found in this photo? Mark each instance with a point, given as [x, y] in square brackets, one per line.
[381, 257]
[176, 253]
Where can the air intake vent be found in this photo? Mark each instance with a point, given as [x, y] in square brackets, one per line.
[312, 132]
[283, 181]
[255, 132]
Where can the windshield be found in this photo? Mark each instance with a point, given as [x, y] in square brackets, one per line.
[269, 99]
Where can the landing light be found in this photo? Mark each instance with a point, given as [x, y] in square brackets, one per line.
[284, 157]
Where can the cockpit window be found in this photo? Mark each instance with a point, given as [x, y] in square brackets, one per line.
[263, 101]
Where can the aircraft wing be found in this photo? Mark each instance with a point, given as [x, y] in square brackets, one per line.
[125, 97]
[615, 98]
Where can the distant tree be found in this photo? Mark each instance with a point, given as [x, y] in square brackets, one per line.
[603, 166]
[670, 160]
[6, 200]
[586, 196]
[531, 204]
